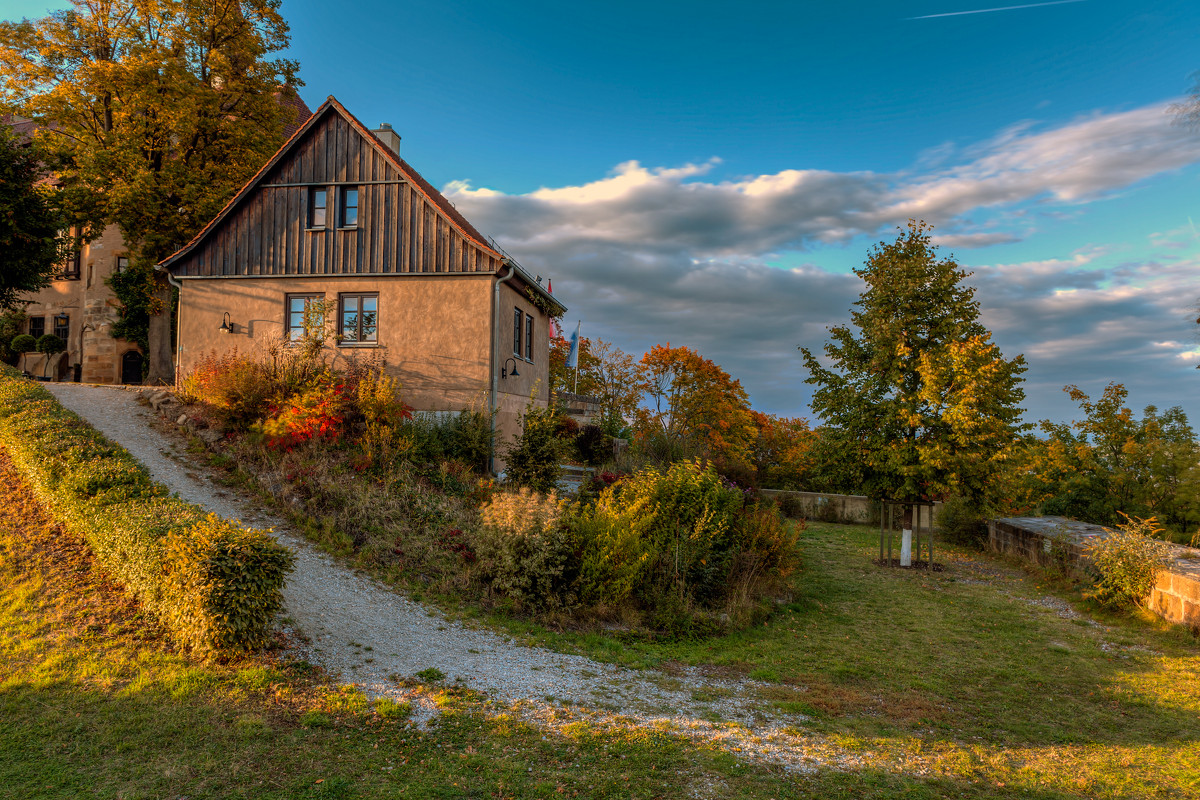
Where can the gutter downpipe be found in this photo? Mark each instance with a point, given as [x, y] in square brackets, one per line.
[495, 379]
[178, 321]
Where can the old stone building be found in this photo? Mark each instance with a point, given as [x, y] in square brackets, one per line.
[80, 308]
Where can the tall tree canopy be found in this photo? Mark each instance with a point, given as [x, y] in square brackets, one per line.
[1110, 461]
[914, 386]
[605, 372]
[694, 408]
[156, 111]
[30, 222]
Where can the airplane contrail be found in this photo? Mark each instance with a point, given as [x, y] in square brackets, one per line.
[1000, 8]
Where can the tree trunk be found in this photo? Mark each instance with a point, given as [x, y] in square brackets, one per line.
[906, 537]
[162, 361]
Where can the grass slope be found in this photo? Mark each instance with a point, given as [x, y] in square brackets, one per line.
[977, 682]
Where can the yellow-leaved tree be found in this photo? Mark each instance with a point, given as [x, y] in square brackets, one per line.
[914, 389]
[154, 112]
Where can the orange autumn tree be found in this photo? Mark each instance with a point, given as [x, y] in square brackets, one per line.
[783, 450]
[693, 409]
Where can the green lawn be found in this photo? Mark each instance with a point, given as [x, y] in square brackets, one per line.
[984, 672]
[949, 684]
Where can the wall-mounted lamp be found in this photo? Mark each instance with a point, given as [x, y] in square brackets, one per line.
[504, 373]
[226, 325]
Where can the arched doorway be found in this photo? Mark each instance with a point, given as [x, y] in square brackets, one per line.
[131, 367]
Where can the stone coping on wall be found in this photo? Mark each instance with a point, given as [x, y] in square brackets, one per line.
[1175, 597]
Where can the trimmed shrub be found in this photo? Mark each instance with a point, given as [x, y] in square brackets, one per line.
[214, 586]
[225, 584]
[1127, 562]
[524, 548]
[50, 344]
[23, 343]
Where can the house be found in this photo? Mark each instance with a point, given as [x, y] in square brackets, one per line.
[79, 306]
[337, 216]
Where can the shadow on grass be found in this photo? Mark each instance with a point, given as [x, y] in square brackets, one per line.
[980, 652]
[63, 740]
[1000, 653]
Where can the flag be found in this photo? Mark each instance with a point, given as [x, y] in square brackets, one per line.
[550, 290]
[573, 354]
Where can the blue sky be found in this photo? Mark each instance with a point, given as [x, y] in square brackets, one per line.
[708, 173]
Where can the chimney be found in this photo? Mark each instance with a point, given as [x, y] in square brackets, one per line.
[389, 137]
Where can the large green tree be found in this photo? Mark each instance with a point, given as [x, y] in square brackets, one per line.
[914, 389]
[156, 112]
[1111, 462]
[30, 222]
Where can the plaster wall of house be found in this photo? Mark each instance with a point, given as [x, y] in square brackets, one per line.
[91, 309]
[432, 330]
[513, 393]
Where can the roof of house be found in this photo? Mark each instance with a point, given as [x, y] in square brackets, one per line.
[332, 106]
[289, 100]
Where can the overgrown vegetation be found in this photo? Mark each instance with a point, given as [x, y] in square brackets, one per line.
[1127, 562]
[677, 550]
[1026, 703]
[95, 703]
[212, 584]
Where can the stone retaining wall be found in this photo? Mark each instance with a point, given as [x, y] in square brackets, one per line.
[1044, 540]
[852, 509]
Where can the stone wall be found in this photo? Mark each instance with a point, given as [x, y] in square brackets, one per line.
[1046, 540]
[848, 509]
[89, 304]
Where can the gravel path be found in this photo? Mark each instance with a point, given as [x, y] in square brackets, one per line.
[367, 635]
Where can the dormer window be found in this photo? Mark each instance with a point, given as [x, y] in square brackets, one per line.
[349, 208]
[317, 203]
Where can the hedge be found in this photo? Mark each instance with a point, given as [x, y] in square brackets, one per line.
[215, 586]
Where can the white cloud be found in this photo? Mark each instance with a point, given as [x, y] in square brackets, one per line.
[648, 255]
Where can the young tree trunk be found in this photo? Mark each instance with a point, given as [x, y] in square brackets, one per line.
[162, 362]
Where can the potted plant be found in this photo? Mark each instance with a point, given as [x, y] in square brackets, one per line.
[49, 345]
[21, 344]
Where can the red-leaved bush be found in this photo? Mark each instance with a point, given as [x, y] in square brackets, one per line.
[317, 413]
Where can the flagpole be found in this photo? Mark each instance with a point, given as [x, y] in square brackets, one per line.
[576, 344]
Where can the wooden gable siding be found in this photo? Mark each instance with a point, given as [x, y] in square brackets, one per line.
[399, 229]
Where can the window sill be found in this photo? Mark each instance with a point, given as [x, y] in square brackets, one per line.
[315, 230]
[358, 345]
[348, 228]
